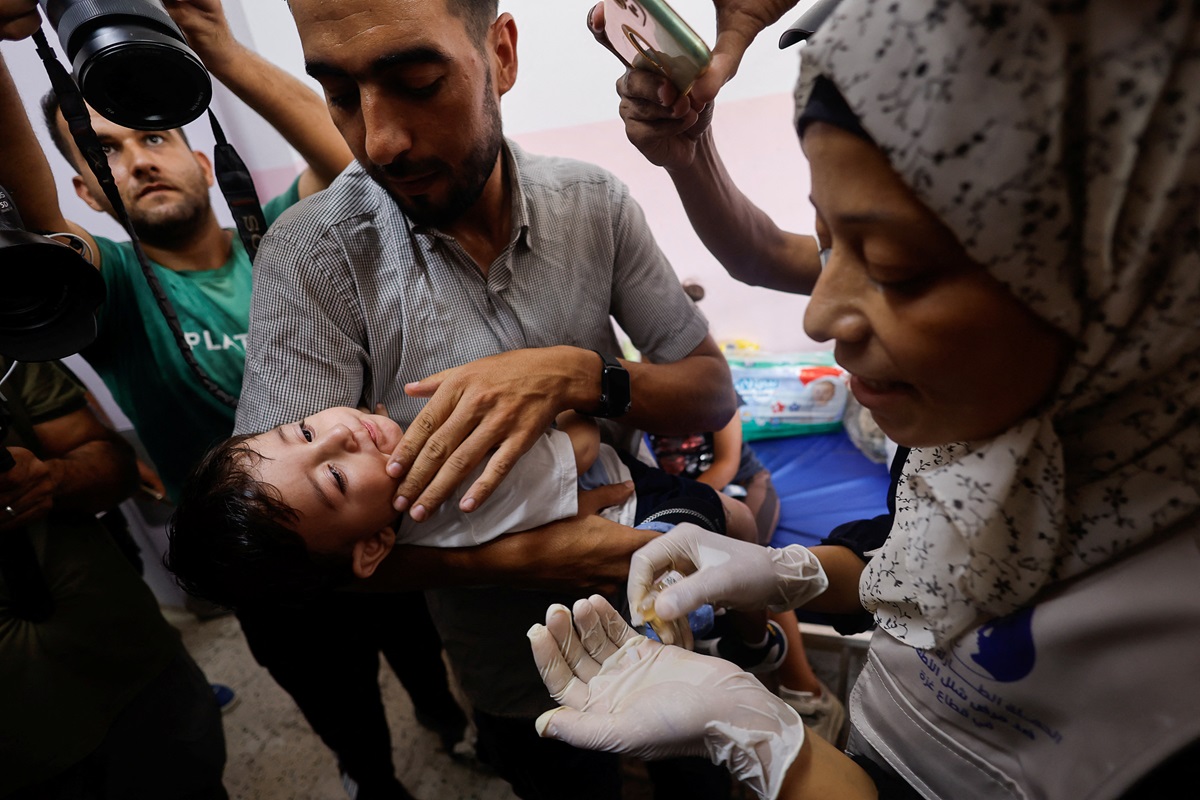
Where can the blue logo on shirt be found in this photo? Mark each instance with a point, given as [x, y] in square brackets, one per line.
[1003, 648]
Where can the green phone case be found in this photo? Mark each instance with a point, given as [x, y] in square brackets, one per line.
[649, 34]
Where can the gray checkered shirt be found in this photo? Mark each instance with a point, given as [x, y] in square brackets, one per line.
[352, 301]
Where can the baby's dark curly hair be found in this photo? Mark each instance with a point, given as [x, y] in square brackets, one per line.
[232, 538]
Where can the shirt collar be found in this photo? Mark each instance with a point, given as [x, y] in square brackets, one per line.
[513, 158]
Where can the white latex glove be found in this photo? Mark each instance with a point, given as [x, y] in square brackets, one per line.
[623, 693]
[726, 572]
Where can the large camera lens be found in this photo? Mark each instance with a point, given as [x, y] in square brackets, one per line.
[49, 300]
[131, 61]
[50, 295]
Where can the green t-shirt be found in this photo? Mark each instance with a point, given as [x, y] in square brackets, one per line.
[65, 679]
[175, 417]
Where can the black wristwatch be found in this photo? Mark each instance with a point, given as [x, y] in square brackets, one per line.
[615, 398]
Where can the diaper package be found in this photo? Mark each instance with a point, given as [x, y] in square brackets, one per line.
[788, 394]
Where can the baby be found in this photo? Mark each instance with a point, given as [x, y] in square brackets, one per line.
[307, 507]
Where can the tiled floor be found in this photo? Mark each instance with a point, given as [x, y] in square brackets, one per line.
[274, 755]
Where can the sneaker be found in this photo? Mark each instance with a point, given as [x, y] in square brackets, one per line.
[766, 657]
[226, 698]
[823, 714]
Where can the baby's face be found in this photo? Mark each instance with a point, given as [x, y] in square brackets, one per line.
[330, 467]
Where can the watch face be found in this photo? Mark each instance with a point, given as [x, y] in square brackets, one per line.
[616, 390]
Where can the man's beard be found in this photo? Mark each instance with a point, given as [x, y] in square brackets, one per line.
[171, 227]
[468, 180]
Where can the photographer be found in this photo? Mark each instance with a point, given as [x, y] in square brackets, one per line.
[326, 657]
[100, 699]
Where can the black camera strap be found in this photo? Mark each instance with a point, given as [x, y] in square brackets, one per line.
[79, 122]
[238, 188]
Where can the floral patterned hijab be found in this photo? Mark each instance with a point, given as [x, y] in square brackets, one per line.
[1060, 142]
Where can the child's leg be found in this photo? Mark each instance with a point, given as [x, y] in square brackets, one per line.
[800, 687]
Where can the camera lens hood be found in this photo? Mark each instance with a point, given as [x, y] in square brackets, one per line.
[131, 61]
[142, 79]
[49, 298]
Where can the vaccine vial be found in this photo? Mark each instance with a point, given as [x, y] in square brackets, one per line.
[681, 632]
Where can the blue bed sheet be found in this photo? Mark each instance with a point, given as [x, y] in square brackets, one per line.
[823, 480]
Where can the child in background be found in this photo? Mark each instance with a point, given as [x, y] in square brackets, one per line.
[725, 461]
[307, 507]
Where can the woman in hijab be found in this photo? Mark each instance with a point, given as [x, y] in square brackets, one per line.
[1006, 197]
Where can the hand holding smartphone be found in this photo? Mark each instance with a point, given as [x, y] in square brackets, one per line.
[649, 34]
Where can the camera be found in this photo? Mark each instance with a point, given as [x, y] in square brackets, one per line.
[50, 293]
[131, 61]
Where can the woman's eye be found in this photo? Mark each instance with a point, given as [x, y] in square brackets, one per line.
[907, 285]
[306, 432]
[338, 478]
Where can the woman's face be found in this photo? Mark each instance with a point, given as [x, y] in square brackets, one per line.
[938, 350]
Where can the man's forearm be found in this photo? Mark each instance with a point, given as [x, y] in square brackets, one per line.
[740, 235]
[679, 398]
[582, 553]
[290, 107]
[95, 476]
[285, 102]
[24, 170]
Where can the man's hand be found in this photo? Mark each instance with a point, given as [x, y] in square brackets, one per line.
[204, 24]
[18, 20]
[738, 22]
[664, 124]
[27, 488]
[659, 121]
[501, 403]
[150, 481]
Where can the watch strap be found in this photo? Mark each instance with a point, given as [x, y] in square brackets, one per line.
[615, 397]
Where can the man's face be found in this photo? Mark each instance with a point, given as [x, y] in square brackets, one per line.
[162, 182]
[331, 468]
[414, 96]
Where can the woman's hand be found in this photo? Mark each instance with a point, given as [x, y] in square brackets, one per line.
[623, 693]
[723, 571]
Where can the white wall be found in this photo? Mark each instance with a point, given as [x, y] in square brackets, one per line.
[564, 103]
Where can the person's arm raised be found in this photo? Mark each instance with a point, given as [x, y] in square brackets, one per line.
[750, 246]
[283, 100]
[738, 23]
[24, 170]
[672, 132]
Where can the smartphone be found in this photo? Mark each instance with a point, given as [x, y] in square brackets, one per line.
[648, 34]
